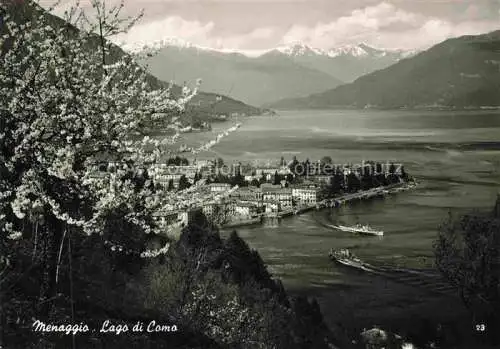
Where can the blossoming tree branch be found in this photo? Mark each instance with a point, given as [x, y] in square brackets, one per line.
[67, 101]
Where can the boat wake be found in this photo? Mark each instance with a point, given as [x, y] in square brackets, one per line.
[359, 229]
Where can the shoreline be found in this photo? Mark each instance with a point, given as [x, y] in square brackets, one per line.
[327, 203]
[243, 222]
[411, 109]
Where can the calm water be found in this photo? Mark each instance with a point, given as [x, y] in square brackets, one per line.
[455, 156]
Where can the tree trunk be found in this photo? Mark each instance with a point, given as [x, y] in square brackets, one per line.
[52, 234]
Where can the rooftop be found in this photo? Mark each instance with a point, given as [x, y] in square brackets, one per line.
[220, 185]
[276, 202]
[248, 189]
[270, 186]
[277, 189]
[245, 204]
[305, 186]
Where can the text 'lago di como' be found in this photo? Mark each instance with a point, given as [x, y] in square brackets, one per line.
[106, 327]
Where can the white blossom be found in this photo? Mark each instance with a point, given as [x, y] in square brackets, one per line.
[64, 110]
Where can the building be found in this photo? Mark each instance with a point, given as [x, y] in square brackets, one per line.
[219, 187]
[282, 170]
[248, 194]
[164, 179]
[277, 193]
[246, 209]
[208, 209]
[272, 206]
[163, 173]
[189, 170]
[305, 195]
[250, 177]
[165, 217]
[203, 163]
[170, 217]
[249, 174]
[219, 211]
[321, 179]
[267, 186]
[206, 168]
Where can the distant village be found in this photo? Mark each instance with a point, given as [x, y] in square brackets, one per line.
[242, 194]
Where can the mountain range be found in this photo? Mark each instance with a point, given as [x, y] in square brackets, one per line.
[204, 104]
[284, 72]
[346, 63]
[461, 72]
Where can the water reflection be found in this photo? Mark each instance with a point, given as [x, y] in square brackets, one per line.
[454, 156]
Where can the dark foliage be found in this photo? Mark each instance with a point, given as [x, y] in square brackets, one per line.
[231, 267]
[178, 161]
[468, 254]
[183, 183]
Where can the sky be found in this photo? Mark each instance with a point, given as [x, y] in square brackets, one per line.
[255, 25]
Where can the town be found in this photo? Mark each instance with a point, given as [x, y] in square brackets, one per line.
[244, 194]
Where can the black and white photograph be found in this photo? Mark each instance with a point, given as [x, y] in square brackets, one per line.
[249, 174]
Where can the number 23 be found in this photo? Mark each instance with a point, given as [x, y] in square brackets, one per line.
[480, 327]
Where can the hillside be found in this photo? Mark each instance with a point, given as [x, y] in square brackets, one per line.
[289, 71]
[257, 81]
[120, 285]
[458, 73]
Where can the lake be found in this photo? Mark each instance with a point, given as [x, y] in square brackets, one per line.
[454, 156]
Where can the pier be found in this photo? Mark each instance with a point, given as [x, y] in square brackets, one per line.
[364, 195]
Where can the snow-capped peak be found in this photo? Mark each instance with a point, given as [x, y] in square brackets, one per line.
[172, 42]
[294, 49]
[156, 45]
[349, 50]
[177, 42]
[357, 51]
[299, 49]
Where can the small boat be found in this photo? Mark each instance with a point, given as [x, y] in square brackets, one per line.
[185, 149]
[360, 229]
[186, 129]
[347, 258]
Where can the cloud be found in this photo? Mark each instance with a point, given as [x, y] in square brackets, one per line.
[194, 32]
[169, 27]
[437, 30]
[66, 4]
[406, 25]
[384, 25]
[247, 39]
